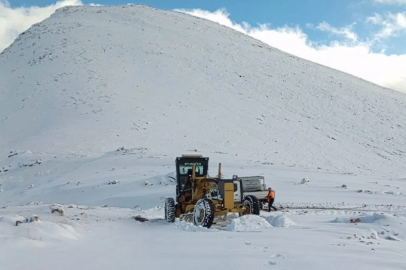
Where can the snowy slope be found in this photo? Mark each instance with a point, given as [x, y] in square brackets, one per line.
[92, 79]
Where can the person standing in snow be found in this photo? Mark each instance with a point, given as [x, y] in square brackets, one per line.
[271, 199]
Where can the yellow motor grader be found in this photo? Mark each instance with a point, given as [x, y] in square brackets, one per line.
[205, 197]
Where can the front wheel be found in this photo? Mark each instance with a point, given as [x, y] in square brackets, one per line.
[252, 205]
[203, 214]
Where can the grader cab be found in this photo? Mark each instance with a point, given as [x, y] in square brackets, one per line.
[206, 197]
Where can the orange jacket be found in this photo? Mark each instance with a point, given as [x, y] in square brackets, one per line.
[271, 195]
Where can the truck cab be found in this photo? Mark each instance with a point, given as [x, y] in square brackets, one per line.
[255, 185]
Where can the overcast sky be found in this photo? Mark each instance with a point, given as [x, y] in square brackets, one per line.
[366, 38]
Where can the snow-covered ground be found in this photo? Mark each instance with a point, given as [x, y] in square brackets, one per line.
[101, 196]
[96, 103]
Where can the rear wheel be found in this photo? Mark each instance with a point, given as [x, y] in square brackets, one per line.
[252, 205]
[203, 214]
[170, 210]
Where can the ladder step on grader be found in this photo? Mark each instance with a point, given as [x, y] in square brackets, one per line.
[201, 198]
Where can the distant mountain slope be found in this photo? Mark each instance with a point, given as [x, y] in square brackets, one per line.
[91, 79]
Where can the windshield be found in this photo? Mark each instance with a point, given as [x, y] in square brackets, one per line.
[188, 169]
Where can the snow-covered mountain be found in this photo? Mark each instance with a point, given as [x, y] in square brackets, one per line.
[92, 79]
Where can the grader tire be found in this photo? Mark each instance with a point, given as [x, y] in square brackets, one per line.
[253, 203]
[170, 210]
[203, 214]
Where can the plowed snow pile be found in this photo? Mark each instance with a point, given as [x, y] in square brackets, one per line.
[248, 223]
[280, 221]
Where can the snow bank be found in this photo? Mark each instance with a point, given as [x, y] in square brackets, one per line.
[44, 231]
[10, 220]
[152, 213]
[48, 231]
[380, 226]
[366, 218]
[341, 220]
[186, 226]
[280, 221]
[374, 218]
[248, 223]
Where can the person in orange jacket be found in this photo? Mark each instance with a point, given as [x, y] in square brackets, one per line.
[271, 199]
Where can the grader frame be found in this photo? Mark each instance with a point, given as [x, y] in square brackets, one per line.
[206, 197]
